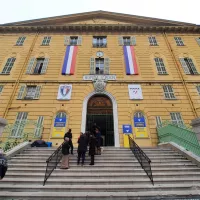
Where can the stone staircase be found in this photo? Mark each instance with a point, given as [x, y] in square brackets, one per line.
[115, 175]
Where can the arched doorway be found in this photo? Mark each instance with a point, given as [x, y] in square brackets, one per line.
[100, 111]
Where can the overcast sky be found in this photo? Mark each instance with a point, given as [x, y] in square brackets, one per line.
[177, 10]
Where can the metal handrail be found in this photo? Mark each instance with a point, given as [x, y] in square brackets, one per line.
[142, 158]
[52, 162]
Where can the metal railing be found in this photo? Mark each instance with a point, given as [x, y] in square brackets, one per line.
[52, 162]
[179, 134]
[142, 158]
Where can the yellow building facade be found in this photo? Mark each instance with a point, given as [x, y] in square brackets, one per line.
[163, 85]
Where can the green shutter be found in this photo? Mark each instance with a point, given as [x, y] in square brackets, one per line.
[184, 65]
[192, 66]
[79, 42]
[121, 41]
[21, 92]
[92, 65]
[30, 66]
[133, 40]
[45, 65]
[67, 40]
[198, 40]
[37, 92]
[106, 65]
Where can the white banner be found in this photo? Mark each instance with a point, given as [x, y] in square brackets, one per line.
[64, 92]
[135, 91]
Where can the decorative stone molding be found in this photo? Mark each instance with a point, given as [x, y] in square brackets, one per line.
[99, 84]
[115, 114]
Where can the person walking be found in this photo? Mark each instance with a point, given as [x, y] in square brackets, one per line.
[3, 164]
[69, 135]
[65, 152]
[82, 148]
[92, 146]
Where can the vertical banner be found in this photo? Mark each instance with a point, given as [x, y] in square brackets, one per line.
[140, 127]
[130, 60]
[59, 127]
[127, 131]
[64, 92]
[135, 91]
[69, 60]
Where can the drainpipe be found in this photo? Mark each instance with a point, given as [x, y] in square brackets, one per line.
[178, 67]
[20, 76]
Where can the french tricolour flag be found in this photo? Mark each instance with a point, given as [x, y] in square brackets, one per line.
[70, 60]
[130, 60]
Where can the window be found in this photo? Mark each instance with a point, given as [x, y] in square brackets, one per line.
[127, 41]
[188, 66]
[152, 41]
[168, 91]
[198, 89]
[158, 121]
[8, 66]
[46, 41]
[37, 66]
[160, 66]
[99, 65]
[138, 115]
[176, 118]
[61, 115]
[19, 124]
[99, 41]
[179, 41]
[1, 88]
[20, 41]
[73, 41]
[39, 127]
[29, 92]
[198, 40]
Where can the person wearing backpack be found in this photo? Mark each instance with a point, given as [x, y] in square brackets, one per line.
[65, 152]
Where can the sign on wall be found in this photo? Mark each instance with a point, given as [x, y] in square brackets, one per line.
[127, 129]
[140, 127]
[135, 91]
[59, 127]
[64, 92]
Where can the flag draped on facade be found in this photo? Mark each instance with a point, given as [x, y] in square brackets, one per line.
[130, 60]
[69, 60]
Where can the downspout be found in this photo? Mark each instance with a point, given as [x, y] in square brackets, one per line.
[20, 76]
[178, 67]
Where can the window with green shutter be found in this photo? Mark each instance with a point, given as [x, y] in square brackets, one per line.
[152, 41]
[46, 41]
[8, 66]
[179, 41]
[20, 41]
[188, 66]
[158, 121]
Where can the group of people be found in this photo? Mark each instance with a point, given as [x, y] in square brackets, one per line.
[91, 139]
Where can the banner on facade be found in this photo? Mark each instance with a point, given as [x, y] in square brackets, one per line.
[59, 127]
[64, 92]
[140, 127]
[127, 129]
[135, 91]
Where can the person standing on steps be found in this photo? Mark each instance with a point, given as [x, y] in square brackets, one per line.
[65, 152]
[98, 137]
[69, 135]
[82, 148]
[92, 146]
[3, 165]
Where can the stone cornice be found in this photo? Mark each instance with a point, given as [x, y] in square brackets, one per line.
[101, 27]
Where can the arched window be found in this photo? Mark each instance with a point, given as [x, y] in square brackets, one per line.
[160, 66]
[61, 115]
[138, 115]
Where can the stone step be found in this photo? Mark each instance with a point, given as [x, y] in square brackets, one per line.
[145, 195]
[97, 188]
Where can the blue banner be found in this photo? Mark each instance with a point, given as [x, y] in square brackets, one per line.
[139, 122]
[60, 122]
[127, 128]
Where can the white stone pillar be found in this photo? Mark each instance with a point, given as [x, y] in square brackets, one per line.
[3, 123]
[196, 127]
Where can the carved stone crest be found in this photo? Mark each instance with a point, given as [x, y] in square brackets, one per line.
[99, 84]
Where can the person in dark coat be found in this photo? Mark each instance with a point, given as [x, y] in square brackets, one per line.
[3, 165]
[92, 146]
[65, 152]
[69, 135]
[39, 143]
[94, 127]
[98, 137]
[82, 148]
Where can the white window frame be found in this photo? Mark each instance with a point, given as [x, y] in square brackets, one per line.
[198, 89]
[30, 91]
[168, 92]
[19, 125]
[99, 41]
[39, 127]
[46, 41]
[8, 66]
[20, 41]
[99, 65]
[152, 41]
[161, 69]
[158, 121]
[1, 88]
[176, 118]
[179, 41]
